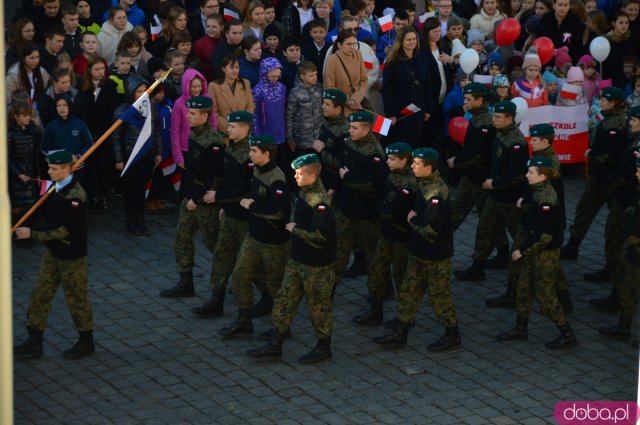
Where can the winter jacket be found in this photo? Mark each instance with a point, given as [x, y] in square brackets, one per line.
[180, 128]
[204, 48]
[165, 109]
[531, 91]
[70, 134]
[222, 49]
[270, 102]
[485, 23]
[452, 106]
[304, 114]
[12, 82]
[108, 40]
[225, 101]
[612, 67]
[93, 109]
[47, 105]
[350, 78]
[81, 63]
[369, 56]
[135, 16]
[89, 24]
[311, 53]
[569, 33]
[249, 70]
[72, 43]
[25, 157]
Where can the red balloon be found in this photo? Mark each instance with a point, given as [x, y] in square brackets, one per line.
[458, 129]
[545, 49]
[507, 32]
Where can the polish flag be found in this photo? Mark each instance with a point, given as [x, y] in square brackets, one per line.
[569, 91]
[147, 188]
[487, 80]
[386, 23]
[168, 166]
[175, 180]
[599, 117]
[382, 125]
[45, 185]
[410, 109]
[155, 32]
[368, 63]
[230, 14]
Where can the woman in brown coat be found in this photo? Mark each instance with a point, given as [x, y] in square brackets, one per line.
[344, 70]
[230, 93]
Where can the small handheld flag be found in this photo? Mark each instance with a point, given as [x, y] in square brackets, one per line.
[230, 14]
[386, 23]
[45, 185]
[410, 109]
[382, 125]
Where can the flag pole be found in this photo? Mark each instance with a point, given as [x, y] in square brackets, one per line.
[84, 157]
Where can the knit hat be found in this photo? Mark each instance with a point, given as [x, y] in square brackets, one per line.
[562, 57]
[531, 58]
[514, 61]
[501, 80]
[549, 77]
[301, 161]
[495, 58]
[398, 147]
[575, 74]
[457, 48]
[271, 30]
[587, 61]
[426, 153]
[474, 35]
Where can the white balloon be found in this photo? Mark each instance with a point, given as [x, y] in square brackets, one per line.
[600, 48]
[469, 61]
[521, 108]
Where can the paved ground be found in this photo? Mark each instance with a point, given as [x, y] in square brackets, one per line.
[156, 363]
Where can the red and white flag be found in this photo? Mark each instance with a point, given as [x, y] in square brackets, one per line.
[147, 188]
[168, 166]
[175, 180]
[45, 185]
[599, 117]
[368, 62]
[230, 14]
[570, 91]
[410, 109]
[487, 80]
[386, 23]
[155, 32]
[382, 125]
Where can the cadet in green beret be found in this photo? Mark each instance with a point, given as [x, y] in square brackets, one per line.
[393, 244]
[363, 173]
[263, 253]
[236, 184]
[64, 232]
[540, 253]
[309, 270]
[203, 172]
[430, 252]
[604, 156]
[504, 187]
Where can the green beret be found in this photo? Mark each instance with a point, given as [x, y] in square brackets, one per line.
[398, 147]
[301, 161]
[541, 130]
[505, 107]
[200, 102]
[60, 158]
[426, 153]
[634, 112]
[261, 140]
[362, 116]
[612, 93]
[475, 88]
[335, 94]
[540, 161]
[240, 116]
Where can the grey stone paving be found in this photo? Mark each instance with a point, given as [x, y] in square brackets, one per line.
[156, 363]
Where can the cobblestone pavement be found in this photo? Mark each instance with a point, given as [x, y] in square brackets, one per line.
[156, 363]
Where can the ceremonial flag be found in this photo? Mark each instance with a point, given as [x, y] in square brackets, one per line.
[382, 125]
[139, 115]
[44, 186]
[386, 23]
[230, 14]
[410, 109]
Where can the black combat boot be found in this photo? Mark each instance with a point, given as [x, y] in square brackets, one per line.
[31, 348]
[264, 306]
[212, 308]
[320, 353]
[84, 347]
[358, 267]
[605, 274]
[132, 226]
[475, 272]
[242, 326]
[565, 301]
[610, 303]
[501, 259]
[519, 333]
[393, 323]
[267, 335]
[621, 330]
[567, 339]
[449, 341]
[506, 300]
[372, 316]
[570, 250]
[184, 287]
[395, 338]
[272, 349]
[140, 222]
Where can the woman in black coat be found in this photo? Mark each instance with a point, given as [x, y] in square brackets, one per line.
[621, 45]
[564, 28]
[406, 81]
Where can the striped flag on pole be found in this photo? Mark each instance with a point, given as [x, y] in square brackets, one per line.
[230, 14]
[382, 125]
[45, 185]
[386, 23]
[410, 109]
[139, 115]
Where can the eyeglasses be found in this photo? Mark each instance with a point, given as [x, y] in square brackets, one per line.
[214, 6]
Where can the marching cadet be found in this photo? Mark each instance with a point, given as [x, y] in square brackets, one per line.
[236, 184]
[310, 267]
[540, 251]
[393, 244]
[263, 254]
[430, 252]
[65, 261]
[363, 173]
[203, 172]
[508, 167]
[627, 276]
[607, 147]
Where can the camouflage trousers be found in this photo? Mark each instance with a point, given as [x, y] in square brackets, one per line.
[493, 219]
[433, 277]
[314, 282]
[258, 261]
[230, 236]
[73, 276]
[627, 278]
[354, 234]
[615, 230]
[539, 279]
[389, 258]
[204, 218]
